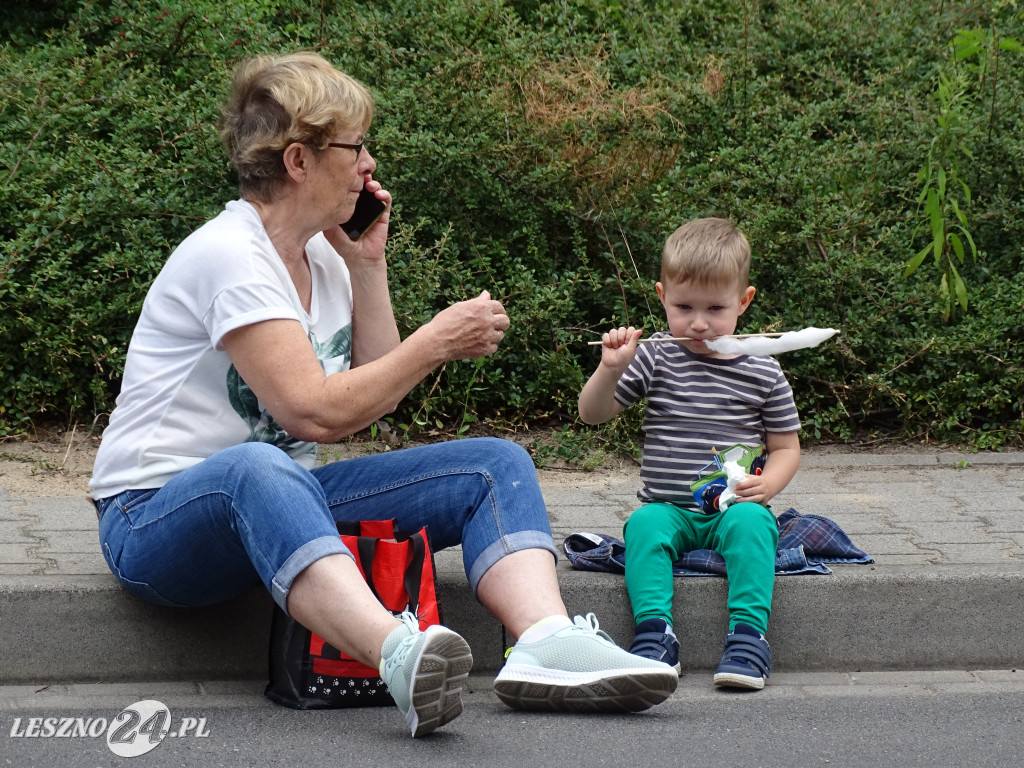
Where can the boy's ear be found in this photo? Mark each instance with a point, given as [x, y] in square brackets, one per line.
[661, 291]
[746, 298]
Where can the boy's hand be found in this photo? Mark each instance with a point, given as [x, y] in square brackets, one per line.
[618, 347]
[597, 400]
[779, 468]
[755, 489]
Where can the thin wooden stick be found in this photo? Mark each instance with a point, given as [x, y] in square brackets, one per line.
[687, 338]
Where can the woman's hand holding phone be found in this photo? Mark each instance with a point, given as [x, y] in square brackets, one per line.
[368, 209]
[361, 241]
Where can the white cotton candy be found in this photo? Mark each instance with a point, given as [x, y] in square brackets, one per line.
[734, 475]
[765, 345]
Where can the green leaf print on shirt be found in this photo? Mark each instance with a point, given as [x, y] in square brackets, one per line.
[334, 355]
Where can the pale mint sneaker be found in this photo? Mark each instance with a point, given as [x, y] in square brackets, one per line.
[424, 672]
[580, 669]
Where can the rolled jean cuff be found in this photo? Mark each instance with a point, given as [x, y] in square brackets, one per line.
[506, 545]
[301, 559]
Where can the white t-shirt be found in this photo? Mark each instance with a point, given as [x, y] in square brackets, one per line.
[181, 399]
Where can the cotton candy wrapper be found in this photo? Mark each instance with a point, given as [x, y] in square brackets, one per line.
[765, 345]
[734, 475]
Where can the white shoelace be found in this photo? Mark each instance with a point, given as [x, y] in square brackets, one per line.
[590, 624]
[398, 655]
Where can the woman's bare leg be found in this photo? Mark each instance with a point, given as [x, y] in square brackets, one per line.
[331, 598]
[521, 589]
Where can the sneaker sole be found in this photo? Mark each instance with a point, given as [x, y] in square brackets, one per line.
[733, 680]
[443, 664]
[544, 690]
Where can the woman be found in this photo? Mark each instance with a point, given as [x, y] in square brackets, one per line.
[269, 330]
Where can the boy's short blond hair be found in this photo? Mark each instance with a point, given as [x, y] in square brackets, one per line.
[706, 252]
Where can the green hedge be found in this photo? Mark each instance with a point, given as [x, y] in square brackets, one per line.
[543, 151]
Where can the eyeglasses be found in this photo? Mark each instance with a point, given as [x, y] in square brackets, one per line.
[357, 147]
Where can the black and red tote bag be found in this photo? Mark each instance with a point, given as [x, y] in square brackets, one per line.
[308, 673]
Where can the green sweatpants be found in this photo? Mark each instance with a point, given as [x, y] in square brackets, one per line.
[745, 535]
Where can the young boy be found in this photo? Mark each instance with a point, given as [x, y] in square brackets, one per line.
[699, 401]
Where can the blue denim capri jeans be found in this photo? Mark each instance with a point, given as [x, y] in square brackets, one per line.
[251, 514]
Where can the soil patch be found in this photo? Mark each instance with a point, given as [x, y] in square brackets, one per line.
[59, 462]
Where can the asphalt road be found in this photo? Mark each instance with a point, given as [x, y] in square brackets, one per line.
[904, 719]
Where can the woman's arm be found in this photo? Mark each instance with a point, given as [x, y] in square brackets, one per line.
[374, 331]
[276, 360]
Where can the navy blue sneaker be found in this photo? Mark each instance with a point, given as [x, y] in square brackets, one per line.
[654, 639]
[746, 660]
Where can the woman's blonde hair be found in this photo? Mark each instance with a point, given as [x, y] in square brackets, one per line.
[276, 101]
[706, 252]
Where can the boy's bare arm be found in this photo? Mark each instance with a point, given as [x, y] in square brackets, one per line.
[597, 401]
[780, 466]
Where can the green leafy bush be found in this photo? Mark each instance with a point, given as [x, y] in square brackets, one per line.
[543, 152]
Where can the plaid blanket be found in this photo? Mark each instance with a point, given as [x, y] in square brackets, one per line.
[807, 543]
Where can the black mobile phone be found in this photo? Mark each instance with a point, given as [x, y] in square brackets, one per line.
[368, 210]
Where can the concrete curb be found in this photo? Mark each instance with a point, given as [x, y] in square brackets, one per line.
[947, 532]
[855, 620]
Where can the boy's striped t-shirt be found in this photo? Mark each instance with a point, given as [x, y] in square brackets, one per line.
[697, 403]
